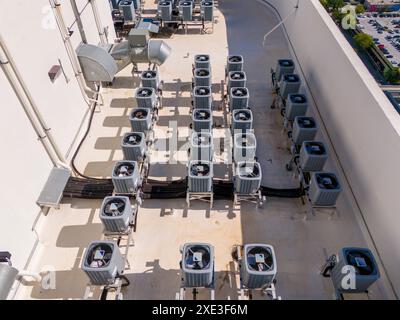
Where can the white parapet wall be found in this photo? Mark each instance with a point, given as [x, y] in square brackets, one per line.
[362, 124]
[34, 41]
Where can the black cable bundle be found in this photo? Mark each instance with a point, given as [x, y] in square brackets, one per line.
[88, 188]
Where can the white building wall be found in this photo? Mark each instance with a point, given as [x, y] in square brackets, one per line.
[363, 125]
[35, 43]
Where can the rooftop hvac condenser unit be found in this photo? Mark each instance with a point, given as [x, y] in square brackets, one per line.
[164, 10]
[365, 267]
[207, 10]
[116, 214]
[127, 8]
[324, 189]
[236, 79]
[186, 10]
[137, 4]
[239, 98]
[290, 84]
[150, 79]
[248, 177]
[134, 146]
[200, 176]
[258, 268]
[202, 98]
[146, 98]
[202, 61]
[197, 265]
[313, 156]
[296, 106]
[284, 67]
[103, 262]
[202, 78]
[114, 4]
[234, 63]
[242, 119]
[141, 119]
[126, 177]
[304, 129]
[202, 120]
[244, 147]
[201, 146]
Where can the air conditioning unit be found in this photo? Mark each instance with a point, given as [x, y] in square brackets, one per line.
[304, 129]
[239, 98]
[150, 79]
[202, 98]
[234, 63]
[127, 8]
[200, 176]
[114, 4]
[207, 10]
[126, 177]
[244, 148]
[141, 120]
[290, 84]
[248, 177]
[284, 67]
[202, 61]
[202, 120]
[296, 106]
[103, 262]
[242, 119]
[365, 267]
[259, 267]
[134, 146]
[236, 79]
[146, 98]
[201, 146]
[202, 78]
[116, 214]
[186, 10]
[164, 9]
[324, 189]
[137, 4]
[313, 156]
[197, 265]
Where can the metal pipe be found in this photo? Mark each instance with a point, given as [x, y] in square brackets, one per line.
[78, 20]
[100, 28]
[56, 5]
[24, 273]
[5, 64]
[32, 102]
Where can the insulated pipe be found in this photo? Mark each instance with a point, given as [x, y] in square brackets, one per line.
[39, 117]
[78, 20]
[56, 5]
[5, 65]
[100, 28]
[24, 273]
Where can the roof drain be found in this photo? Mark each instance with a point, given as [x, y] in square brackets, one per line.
[66, 36]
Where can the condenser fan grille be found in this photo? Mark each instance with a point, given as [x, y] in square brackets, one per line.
[99, 256]
[291, 78]
[361, 261]
[202, 73]
[306, 123]
[249, 170]
[327, 181]
[140, 114]
[237, 76]
[242, 116]
[124, 170]
[200, 170]
[240, 92]
[133, 139]
[298, 98]
[201, 139]
[260, 259]
[202, 115]
[152, 74]
[207, 3]
[197, 258]
[114, 208]
[286, 63]
[235, 59]
[186, 3]
[145, 92]
[202, 58]
[203, 91]
[315, 148]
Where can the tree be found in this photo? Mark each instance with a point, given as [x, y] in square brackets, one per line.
[360, 8]
[391, 74]
[324, 3]
[335, 4]
[364, 40]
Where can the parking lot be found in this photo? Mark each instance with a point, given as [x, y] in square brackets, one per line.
[385, 29]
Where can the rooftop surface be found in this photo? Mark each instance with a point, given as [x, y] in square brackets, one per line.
[164, 225]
